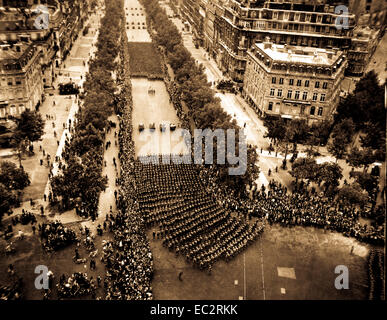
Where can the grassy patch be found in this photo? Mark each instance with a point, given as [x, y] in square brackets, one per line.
[144, 60]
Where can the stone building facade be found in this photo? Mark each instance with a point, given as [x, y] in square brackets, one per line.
[309, 24]
[294, 81]
[21, 79]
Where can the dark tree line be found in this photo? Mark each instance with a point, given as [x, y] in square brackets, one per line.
[81, 181]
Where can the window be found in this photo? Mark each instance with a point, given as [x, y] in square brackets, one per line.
[322, 97]
[297, 95]
[279, 93]
[312, 110]
[10, 82]
[272, 92]
[273, 80]
[270, 106]
[291, 82]
[304, 96]
[317, 84]
[306, 83]
[320, 111]
[289, 94]
[315, 96]
[325, 85]
[281, 81]
[298, 83]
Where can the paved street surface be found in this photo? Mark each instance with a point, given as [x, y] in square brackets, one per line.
[310, 254]
[148, 107]
[136, 29]
[154, 108]
[378, 61]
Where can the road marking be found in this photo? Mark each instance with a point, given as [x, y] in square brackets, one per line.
[244, 276]
[263, 276]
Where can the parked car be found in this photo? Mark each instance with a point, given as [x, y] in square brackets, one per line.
[141, 127]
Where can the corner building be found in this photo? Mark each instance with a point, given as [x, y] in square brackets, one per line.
[294, 82]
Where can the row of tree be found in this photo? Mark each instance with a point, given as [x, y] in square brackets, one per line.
[28, 128]
[195, 90]
[286, 134]
[81, 180]
[328, 175]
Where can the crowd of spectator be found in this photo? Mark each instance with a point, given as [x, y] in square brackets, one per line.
[128, 259]
[55, 235]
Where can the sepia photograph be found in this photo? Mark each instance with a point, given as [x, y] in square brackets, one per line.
[225, 152]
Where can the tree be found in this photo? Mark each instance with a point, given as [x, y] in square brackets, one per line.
[352, 195]
[29, 128]
[30, 125]
[12, 177]
[304, 168]
[79, 179]
[365, 107]
[7, 200]
[337, 148]
[275, 130]
[366, 181]
[357, 158]
[330, 173]
[20, 144]
[366, 103]
[341, 137]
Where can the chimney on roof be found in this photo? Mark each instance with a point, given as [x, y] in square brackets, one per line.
[267, 44]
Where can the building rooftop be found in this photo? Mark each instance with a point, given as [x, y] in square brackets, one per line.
[299, 54]
[14, 52]
[16, 57]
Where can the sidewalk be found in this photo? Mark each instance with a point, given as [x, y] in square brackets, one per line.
[56, 110]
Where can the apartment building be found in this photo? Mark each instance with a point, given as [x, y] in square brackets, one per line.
[194, 11]
[20, 78]
[363, 46]
[66, 19]
[293, 81]
[309, 24]
[371, 13]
